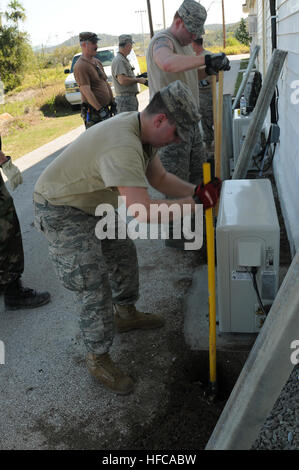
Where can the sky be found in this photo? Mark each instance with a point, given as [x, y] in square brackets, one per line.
[53, 22]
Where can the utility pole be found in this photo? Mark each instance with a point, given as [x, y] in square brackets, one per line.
[150, 18]
[142, 11]
[163, 7]
[223, 25]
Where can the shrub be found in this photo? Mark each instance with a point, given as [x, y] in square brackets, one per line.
[55, 104]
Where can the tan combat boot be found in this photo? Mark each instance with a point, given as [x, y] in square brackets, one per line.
[103, 368]
[128, 318]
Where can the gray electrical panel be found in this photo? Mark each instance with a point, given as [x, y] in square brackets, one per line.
[247, 239]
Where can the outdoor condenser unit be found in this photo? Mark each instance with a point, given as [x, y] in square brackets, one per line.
[240, 127]
[247, 238]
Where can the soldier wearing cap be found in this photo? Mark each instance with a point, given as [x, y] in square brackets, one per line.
[205, 101]
[97, 98]
[123, 77]
[170, 57]
[103, 273]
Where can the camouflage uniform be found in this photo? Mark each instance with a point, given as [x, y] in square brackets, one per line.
[125, 95]
[100, 272]
[185, 159]
[11, 246]
[126, 103]
[206, 111]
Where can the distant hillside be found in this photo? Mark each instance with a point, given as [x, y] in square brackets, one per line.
[213, 37]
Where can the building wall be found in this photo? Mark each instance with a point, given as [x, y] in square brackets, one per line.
[286, 161]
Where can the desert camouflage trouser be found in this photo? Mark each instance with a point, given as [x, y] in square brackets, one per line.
[126, 103]
[100, 272]
[186, 158]
[206, 111]
[11, 246]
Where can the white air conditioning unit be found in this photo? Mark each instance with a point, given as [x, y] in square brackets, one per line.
[240, 128]
[252, 24]
[247, 237]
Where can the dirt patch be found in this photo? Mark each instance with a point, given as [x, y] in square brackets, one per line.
[191, 415]
[22, 95]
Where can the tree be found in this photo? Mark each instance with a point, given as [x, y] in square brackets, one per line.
[14, 47]
[63, 54]
[242, 34]
[16, 12]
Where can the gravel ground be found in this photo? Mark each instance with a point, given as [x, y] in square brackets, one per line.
[281, 429]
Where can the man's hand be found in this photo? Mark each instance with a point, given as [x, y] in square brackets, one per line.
[113, 108]
[142, 81]
[208, 194]
[216, 62]
[12, 173]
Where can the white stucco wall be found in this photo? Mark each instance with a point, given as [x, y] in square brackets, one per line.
[286, 161]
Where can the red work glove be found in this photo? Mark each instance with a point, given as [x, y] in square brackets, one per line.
[208, 194]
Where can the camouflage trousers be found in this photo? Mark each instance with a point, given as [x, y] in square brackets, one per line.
[100, 272]
[91, 117]
[11, 245]
[206, 111]
[185, 159]
[126, 103]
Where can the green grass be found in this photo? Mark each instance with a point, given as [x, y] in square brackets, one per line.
[21, 141]
[230, 50]
[243, 67]
[40, 112]
[142, 63]
[40, 78]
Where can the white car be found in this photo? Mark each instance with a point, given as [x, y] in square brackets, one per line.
[105, 55]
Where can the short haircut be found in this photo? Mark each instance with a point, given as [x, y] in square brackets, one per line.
[157, 106]
[199, 41]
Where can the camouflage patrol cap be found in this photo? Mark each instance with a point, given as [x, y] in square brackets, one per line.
[179, 101]
[194, 15]
[124, 39]
[88, 36]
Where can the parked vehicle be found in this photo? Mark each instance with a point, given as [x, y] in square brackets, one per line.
[105, 55]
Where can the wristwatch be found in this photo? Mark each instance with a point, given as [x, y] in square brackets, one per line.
[7, 160]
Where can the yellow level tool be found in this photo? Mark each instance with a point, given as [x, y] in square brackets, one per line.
[211, 282]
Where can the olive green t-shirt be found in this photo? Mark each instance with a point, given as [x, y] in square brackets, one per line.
[121, 66]
[88, 172]
[157, 78]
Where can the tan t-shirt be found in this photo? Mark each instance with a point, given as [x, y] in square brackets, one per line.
[91, 72]
[121, 66]
[157, 78]
[88, 172]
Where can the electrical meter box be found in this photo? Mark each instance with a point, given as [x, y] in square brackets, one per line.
[240, 128]
[247, 240]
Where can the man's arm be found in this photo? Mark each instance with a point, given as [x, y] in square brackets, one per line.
[167, 60]
[3, 158]
[125, 80]
[86, 90]
[167, 183]
[137, 195]
[11, 171]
